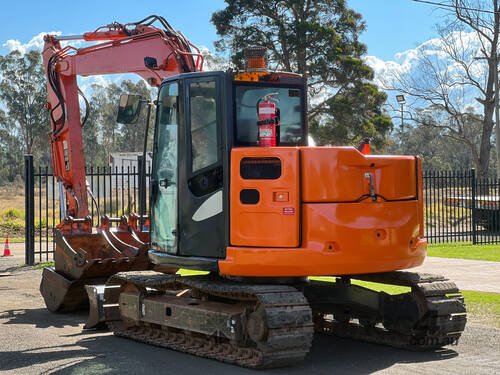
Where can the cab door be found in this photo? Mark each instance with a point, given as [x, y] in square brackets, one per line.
[201, 216]
[164, 197]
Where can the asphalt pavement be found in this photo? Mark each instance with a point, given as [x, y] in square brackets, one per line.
[35, 341]
[478, 275]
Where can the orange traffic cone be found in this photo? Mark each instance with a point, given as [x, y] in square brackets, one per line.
[6, 250]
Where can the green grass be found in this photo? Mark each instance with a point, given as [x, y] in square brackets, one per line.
[22, 240]
[464, 250]
[12, 213]
[483, 307]
[18, 239]
[440, 214]
[39, 266]
[12, 219]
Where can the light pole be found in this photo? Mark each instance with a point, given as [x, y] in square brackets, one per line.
[401, 100]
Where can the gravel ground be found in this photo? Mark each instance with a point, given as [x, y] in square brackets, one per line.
[35, 341]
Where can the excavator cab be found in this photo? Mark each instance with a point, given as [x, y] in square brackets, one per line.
[201, 117]
[223, 201]
[237, 192]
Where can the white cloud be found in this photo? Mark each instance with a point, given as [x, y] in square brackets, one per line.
[211, 62]
[35, 43]
[433, 49]
[408, 63]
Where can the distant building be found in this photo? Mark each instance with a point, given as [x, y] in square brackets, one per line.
[125, 164]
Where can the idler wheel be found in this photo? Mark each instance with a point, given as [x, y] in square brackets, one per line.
[257, 325]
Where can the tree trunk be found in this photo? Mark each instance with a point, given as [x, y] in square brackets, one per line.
[485, 148]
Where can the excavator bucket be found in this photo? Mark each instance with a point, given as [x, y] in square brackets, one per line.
[86, 255]
[62, 294]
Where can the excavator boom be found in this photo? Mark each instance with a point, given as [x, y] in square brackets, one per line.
[139, 48]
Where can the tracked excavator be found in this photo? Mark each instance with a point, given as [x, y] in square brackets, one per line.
[237, 193]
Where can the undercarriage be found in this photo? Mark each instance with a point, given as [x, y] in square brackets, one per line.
[272, 325]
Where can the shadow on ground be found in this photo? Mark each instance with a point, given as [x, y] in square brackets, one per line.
[42, 318]
[98, 353]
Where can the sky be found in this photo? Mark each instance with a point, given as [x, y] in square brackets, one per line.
[22, 20]
[395, 29]
[392, 25]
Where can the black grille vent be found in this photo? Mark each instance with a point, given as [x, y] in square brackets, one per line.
[260, 168]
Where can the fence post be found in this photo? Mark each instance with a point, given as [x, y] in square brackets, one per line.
[142, 190]
[29, 209]
[473, 204]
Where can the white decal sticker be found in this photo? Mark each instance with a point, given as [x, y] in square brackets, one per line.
[211, 207]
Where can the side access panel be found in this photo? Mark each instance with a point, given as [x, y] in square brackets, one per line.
[265, 197]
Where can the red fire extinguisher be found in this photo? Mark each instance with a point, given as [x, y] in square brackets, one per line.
[268, 123]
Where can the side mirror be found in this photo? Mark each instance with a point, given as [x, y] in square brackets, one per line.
[129, 109]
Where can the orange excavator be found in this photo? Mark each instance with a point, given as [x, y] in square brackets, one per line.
[281, 230]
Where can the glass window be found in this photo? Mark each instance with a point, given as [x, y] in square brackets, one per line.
[203, 108]
[164, 210]
[290, 113]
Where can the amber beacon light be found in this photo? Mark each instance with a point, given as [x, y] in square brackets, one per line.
[255, 58]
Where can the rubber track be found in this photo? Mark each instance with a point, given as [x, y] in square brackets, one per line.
[289, 320]
[443, 316]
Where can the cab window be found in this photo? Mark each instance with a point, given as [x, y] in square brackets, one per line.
[202, 101]
[290, 106]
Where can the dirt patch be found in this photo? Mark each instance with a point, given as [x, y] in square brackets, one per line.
[20, 232]
[11, 232]
[11, 197]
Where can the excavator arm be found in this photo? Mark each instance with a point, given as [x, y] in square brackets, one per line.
[87, 255]
[151, 52]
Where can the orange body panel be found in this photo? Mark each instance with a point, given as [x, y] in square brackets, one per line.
[274, 220]
[337, 174]
[343, 229]
[339, 239]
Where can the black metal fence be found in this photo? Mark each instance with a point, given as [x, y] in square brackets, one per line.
[115, 192]
[458, 207]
